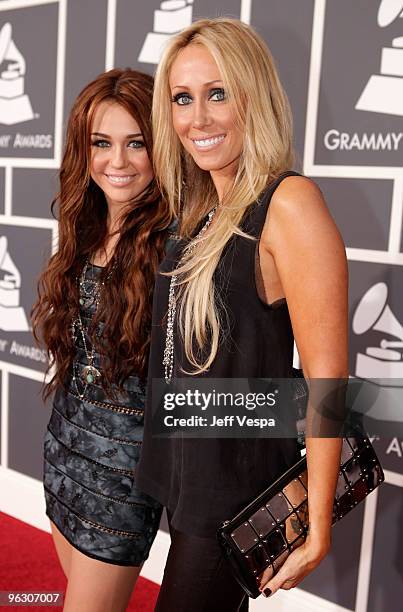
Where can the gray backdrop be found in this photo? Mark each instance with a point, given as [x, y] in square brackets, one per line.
[328, 54]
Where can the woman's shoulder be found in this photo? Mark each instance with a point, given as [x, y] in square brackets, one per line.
[297, 199]
[295, 191]
[299, 220]
[297, 210]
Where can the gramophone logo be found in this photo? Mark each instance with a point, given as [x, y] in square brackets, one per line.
[373, 313]
[384, 92]
[15, 105]
[12, 315]
[382, 365]
[172, 17]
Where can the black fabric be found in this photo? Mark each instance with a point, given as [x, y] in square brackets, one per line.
[198, 579]
[204, 482]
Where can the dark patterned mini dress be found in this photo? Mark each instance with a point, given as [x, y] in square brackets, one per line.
[92, 447]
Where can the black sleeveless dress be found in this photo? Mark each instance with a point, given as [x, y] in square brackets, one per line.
[204, 482]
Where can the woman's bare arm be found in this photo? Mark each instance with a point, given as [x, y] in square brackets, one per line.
[309, 255]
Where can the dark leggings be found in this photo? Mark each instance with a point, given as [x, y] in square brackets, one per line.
[197, 578]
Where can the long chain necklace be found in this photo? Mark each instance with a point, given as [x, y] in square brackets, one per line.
[90, 290]
[168, 360]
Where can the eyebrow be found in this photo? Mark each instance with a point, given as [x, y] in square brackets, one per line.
[205, 84]
[107, 136]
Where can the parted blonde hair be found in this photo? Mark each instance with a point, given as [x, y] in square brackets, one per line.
[262, 112]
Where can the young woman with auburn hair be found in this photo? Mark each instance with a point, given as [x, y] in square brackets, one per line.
[94, 317]
[260, 262]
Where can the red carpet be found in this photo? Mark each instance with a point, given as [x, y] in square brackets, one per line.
[28, 562]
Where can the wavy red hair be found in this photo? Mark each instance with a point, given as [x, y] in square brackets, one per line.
[126, 303]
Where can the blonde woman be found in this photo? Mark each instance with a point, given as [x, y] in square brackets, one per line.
[261, 263]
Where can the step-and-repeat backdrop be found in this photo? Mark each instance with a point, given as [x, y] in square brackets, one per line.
[342, 65]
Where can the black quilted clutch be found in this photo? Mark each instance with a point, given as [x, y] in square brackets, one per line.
[258, 540]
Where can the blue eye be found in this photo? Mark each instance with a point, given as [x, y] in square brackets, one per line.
[182, 99]
[105, 144]
[101, 144]
[217, 95]
[136, 144]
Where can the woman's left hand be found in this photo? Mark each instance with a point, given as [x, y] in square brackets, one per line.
[298, 565]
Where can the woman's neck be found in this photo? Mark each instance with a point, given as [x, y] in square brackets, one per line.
[105, 253]
[114, 220]
[223, 179]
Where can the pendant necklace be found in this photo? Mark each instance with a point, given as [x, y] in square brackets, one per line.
[90, 291]
[168, 359]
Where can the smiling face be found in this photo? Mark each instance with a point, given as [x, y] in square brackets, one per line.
[203, 118]
[119, 162]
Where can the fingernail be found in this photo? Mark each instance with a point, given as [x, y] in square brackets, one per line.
[267, 592]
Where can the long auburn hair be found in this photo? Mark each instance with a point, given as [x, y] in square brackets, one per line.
[126, 301]
[262, 113]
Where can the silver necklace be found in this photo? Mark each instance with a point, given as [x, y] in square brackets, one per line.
[168, 359]
[89, 374]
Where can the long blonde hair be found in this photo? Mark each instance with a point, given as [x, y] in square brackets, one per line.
[262, 112]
